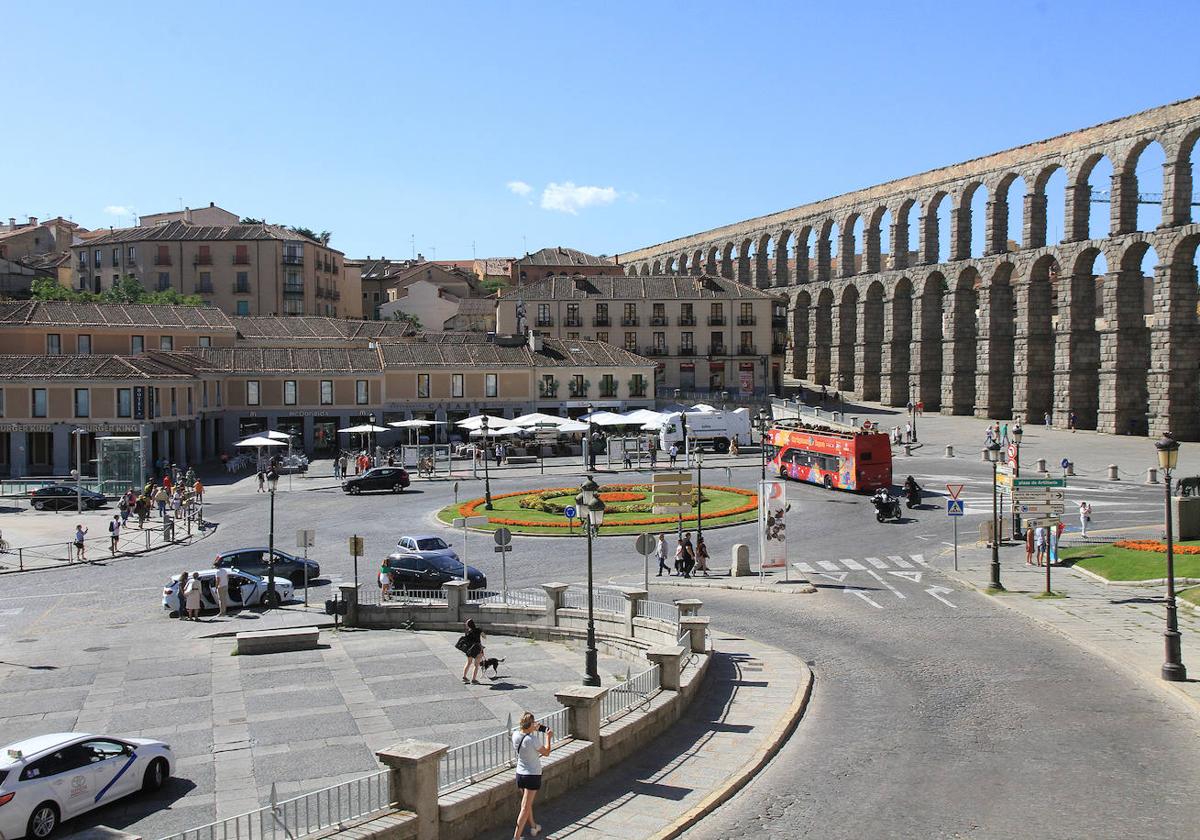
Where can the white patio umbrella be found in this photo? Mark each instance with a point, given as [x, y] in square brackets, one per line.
[416, 423]
[644, 415]
[606, 418]
[503, 431]
[538, 417]
[477, 420]
[259, 441]
[364, 429]
[573, 427]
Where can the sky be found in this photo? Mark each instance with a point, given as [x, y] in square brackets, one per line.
[487, 129]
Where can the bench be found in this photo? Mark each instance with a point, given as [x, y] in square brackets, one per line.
[276, 641]
[521, 459]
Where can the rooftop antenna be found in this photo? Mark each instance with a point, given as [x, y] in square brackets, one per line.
[413, 241]
[434, 249]
[180, 202]
[524, 243]
[473, 249]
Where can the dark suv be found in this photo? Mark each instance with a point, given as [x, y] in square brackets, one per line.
[377, 478]
[254, 561]
[411, 571]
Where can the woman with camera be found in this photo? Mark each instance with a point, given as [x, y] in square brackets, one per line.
[531, 748]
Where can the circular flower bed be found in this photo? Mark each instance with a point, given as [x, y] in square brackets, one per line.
[1155, 545]
[628, 508]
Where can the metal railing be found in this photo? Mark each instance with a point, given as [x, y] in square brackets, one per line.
[157, 533]
[302, 815]
[471, 762]
[575, 598]
[658, 610]
[514, 597]
[630, 694]
[372, 595]
[685, 641]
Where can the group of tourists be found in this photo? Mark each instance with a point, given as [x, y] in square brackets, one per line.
[688, 558]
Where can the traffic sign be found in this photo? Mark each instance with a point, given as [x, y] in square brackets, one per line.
[1042, 522]
[306, 538]
[671, 510]
[569, 511]
[1039, 482]
[500, 549]
[645, 544]
[1051, 509]
[356, 546]
[954, 507]
[954, 490]
[1038, 494]
[502, 536]
[1004, 480]
[1012, 453]
[469, 521]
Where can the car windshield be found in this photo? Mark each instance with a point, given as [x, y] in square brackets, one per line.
[445, 564]
[431, 544]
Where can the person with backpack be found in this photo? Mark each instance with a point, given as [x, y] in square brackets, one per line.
[114, 533]
[471, 644]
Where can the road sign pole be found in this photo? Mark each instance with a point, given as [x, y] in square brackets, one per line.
[956, 543]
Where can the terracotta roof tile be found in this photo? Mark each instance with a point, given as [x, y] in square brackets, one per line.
[620, 287]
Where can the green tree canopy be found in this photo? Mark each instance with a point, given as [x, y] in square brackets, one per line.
[127, 290]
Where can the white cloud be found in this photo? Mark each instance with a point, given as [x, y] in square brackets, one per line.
[569, 198]
[519, 188]
[118, 210]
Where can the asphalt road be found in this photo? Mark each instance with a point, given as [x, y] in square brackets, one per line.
[935, 713]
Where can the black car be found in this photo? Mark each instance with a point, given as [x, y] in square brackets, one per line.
[412, 571]
[63, 497]
[254, 561]
[377, 478]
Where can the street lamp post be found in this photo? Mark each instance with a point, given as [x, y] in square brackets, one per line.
[589, 500]
[78, 433]
[992, 452]
[1172, 669]
[699, 494]
[272, 482]
[487, 476]
[762, 421]
[591, 439]
[1016, 434]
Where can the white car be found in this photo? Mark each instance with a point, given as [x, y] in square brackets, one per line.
[52, 778]
[245, 590]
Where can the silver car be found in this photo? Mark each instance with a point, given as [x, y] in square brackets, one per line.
[427, 547]
[245, 590]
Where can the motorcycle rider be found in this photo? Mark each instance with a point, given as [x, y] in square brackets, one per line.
[912, 491]
[885, 504]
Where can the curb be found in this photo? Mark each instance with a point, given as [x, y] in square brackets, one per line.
[1166, 689]
[798, 588]
[742, 778]
[1184, 581]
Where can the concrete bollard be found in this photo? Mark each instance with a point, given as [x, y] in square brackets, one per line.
[1041, 465]
[1070, 468]
[982, 454]
[1152, 475]
[739, 565]
[413, 781]
[1112, 473]
[908, 449]
[949, 451]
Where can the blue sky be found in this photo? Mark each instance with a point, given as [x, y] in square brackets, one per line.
[604, 126]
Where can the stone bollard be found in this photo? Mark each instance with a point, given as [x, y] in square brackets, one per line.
[1152, 475]
[1070, 468]
[688, 606]
[908, 449]
[695, 626]
[1112, 473]
[632, 597]
[1041, 465]
[349, 594]
[983, 455]
[739, 560]
[949, 451]
[554, 601]
[853, 420]
[456, 597]
[669, 659]
[413, 781]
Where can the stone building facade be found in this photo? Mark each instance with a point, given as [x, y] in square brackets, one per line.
[1046, 327]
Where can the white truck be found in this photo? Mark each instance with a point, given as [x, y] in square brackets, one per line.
[710, 429]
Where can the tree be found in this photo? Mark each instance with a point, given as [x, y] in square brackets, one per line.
[250, 220]
[47, 288]
[398, 315]
[127, 290]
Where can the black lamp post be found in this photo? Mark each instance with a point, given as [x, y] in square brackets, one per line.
[487, 477]
[699, 494]
[272, 483]
[762, 421]
[1016, 432]
[589, 500]
[1172, 669]
[591, 438]
[992, 452]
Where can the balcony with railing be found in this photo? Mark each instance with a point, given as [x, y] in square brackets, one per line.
[163, 284]
[716, 349]
[630, 321]
[544, 321]
[656, 350]
[658, 320]
[291, 288]
[293, 259]
[572, 321]
[747, 320]
[334, 294]
[320, 292]
[162, 259]
[779, 321]
[241, 259]
[202, 259]
[716, 320]
[687, 351]
[687, 320]
[747, 350]
[241, 288]
[204, 287]
[601, 321]
[778, 348]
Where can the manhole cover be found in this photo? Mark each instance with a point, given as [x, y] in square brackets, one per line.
[94, 649]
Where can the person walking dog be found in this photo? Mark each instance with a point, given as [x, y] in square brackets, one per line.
[531, 742]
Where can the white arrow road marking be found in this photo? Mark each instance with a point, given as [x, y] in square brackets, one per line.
[807, 569]
[829, 565]
[935, 590]
[12, 611]
[850, 590]
[926, 537]
[876, 562]
[915, 577]
[900, 561]
[877, 577]
[840, 577]
[853, 565]
[919, 558]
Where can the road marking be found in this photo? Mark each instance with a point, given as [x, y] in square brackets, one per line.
[849, 590]
[876, 562]
[900, 561]
[926, 537]
[12, 611]
[829, 565]
[877, 577]
[50, 595]
[915, 577]
[919, 558]
[853, 565]
[934, 590]
[807, 569]
[840, 577]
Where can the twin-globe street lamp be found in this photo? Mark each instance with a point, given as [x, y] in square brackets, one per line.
[992, 453]
[487, 478]
[1172, 669]
[1015, 433]
[591, 510]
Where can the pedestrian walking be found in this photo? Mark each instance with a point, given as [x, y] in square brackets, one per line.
[191, 593]
[471, 644]
[498, 452]
[531, 742]
[1028, 546]
[653, 457]
[176, 504]
[1047, 419]
[628, 460]
[701, 555]
[166, 482]
[114, 533]
[198, 492]
[80, 545]
[1085, 517]
[1039, 544]
[672, 454]
[337, 467]
[385, 581]
[733, 448]
[660, 552]
[123, 507]
[181, 596]
[1071, 419]
[908, 432]
[222, 587]
[685, 555]
[141, 508]
[1004, 435]
[262, 480]
[161, 497]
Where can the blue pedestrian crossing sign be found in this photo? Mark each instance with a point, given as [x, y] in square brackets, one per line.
[954, 507]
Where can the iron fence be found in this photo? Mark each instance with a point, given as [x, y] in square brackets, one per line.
[372, 595]
[630, 694]
[468, 763]
[658, 610]
[514, 597]
[603, 600]
[301, 815]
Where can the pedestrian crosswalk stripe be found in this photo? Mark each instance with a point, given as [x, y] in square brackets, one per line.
[919, 558]
[900, 561]
[828, 565]
[804, 567]
[853, 565]
[876, 562]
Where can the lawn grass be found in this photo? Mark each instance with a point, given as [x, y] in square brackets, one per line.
[510, 508]
[1123, 564]
[1192, 596]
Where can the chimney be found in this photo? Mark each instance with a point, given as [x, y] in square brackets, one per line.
[187, 215]
[212, 204]
[33, 221]
[535, 341]
[12, 223]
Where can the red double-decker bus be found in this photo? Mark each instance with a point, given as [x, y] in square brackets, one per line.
[845, 459]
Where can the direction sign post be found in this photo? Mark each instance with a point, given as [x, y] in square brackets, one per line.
[466, 523]
[645, 547]
[503, 540]
[955, 509]
[569, 512]
[672, 494]
[306, 538]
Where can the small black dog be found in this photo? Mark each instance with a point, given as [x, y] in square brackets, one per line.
[493, 663]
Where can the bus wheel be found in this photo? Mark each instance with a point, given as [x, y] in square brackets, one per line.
[721, 445]
[783, 473]
[828, 483]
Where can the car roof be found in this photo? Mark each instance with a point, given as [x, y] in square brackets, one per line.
[251, 548]
[32, 747]
[424, 537]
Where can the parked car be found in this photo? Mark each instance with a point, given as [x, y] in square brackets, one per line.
[412, 571]
[48, 779]
[378, 478]
[429, 546]
[245, 590]
[254, 561]
[63, 497]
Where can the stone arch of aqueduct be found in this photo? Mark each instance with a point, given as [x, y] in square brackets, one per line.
[1070, 326]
